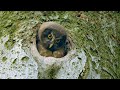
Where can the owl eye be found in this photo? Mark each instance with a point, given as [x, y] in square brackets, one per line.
[50, 36]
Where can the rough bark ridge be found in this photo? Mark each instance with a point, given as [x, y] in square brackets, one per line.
[95, 53]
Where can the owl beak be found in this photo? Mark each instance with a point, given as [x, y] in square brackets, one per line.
[52, 41]
[51, 45]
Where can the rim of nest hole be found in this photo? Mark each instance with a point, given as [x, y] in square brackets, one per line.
[55, 26]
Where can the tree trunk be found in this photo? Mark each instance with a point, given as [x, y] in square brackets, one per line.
[95, 51]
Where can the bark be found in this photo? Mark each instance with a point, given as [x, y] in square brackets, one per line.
[95, 51]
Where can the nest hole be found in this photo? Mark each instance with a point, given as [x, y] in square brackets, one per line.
[56, 54]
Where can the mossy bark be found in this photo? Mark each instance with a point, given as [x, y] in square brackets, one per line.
[95, 34]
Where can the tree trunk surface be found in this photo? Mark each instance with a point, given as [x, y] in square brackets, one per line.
[95, 51]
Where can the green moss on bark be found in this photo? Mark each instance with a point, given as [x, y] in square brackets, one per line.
[97, 32]
[4, 59]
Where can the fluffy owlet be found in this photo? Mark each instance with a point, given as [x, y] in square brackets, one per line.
[52, 40]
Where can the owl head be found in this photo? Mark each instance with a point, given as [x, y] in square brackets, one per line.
[52, 36]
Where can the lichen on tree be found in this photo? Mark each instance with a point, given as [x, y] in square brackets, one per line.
[95, 53]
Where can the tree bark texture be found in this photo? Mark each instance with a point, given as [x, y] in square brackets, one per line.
[95, 53]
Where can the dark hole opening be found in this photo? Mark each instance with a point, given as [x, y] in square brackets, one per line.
[57, 54]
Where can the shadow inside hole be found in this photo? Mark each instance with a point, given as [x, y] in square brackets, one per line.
[66, 46]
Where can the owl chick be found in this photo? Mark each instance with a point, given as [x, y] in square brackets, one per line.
[52, 38]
